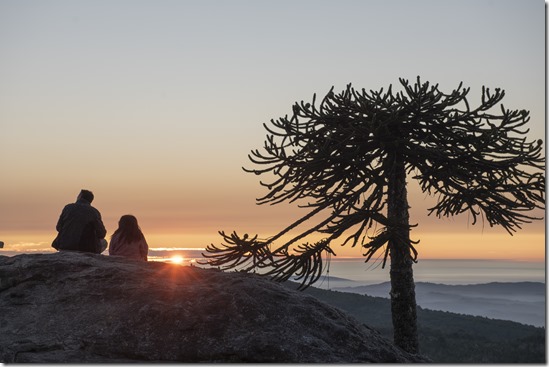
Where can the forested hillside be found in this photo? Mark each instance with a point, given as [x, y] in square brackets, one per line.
[522, 302]
[447, 337]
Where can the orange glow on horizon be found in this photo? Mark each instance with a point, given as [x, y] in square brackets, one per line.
[496, 246]
[523, 246]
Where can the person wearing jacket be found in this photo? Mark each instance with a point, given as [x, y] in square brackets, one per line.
[80, 227]
[128, 240]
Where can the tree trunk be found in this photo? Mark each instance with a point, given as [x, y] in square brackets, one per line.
[403, 296]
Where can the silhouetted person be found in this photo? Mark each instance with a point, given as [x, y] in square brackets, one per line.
[80, 227]
[128, 240]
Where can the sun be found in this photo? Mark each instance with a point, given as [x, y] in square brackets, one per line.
[177, 259]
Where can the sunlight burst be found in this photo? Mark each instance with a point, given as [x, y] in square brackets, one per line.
[177, 259]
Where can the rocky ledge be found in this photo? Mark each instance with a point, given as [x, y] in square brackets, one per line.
[78, 307]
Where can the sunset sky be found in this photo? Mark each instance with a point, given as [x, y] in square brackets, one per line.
[155, 105]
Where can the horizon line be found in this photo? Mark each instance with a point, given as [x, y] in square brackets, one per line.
[333, 258]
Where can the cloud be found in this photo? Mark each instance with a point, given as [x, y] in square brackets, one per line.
[28, 246]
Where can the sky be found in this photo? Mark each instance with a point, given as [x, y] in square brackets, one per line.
[155, 105]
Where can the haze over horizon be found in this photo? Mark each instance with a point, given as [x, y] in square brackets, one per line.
[155, 105]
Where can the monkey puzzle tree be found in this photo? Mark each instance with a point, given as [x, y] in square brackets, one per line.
[349, 157]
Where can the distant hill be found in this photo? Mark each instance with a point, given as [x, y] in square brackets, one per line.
[447, 337]
[522, 302]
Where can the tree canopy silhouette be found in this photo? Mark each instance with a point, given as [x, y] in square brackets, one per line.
[347, 160]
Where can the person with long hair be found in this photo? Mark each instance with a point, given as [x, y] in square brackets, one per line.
[128, 240]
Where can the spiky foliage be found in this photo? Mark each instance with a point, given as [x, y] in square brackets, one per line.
[347, 160]
[339, 155]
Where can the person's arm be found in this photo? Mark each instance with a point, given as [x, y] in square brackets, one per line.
[58, 227]
[113, 244]
[144, 249]
[100, 230]
[61, 220]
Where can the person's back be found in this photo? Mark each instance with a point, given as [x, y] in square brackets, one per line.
[80, 227]
[128, 240]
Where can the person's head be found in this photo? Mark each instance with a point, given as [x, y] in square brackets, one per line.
[128, 222]
[86, 195]
[128, 229]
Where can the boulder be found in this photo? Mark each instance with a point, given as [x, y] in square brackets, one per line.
[71, 307]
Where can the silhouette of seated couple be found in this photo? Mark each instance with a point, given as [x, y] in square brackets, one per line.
[80, 228]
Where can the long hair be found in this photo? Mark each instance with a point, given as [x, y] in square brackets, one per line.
[128, 229]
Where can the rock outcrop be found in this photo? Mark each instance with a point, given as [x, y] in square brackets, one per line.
[79, 307]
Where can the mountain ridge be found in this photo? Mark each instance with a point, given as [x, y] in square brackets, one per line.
[448, 337]
[522, 302]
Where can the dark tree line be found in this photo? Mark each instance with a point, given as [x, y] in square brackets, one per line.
[347, 160]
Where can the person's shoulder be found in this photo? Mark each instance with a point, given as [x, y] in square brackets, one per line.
[69, 206]
[95, 210]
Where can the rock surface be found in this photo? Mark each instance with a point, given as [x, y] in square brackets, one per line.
[79, 307]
